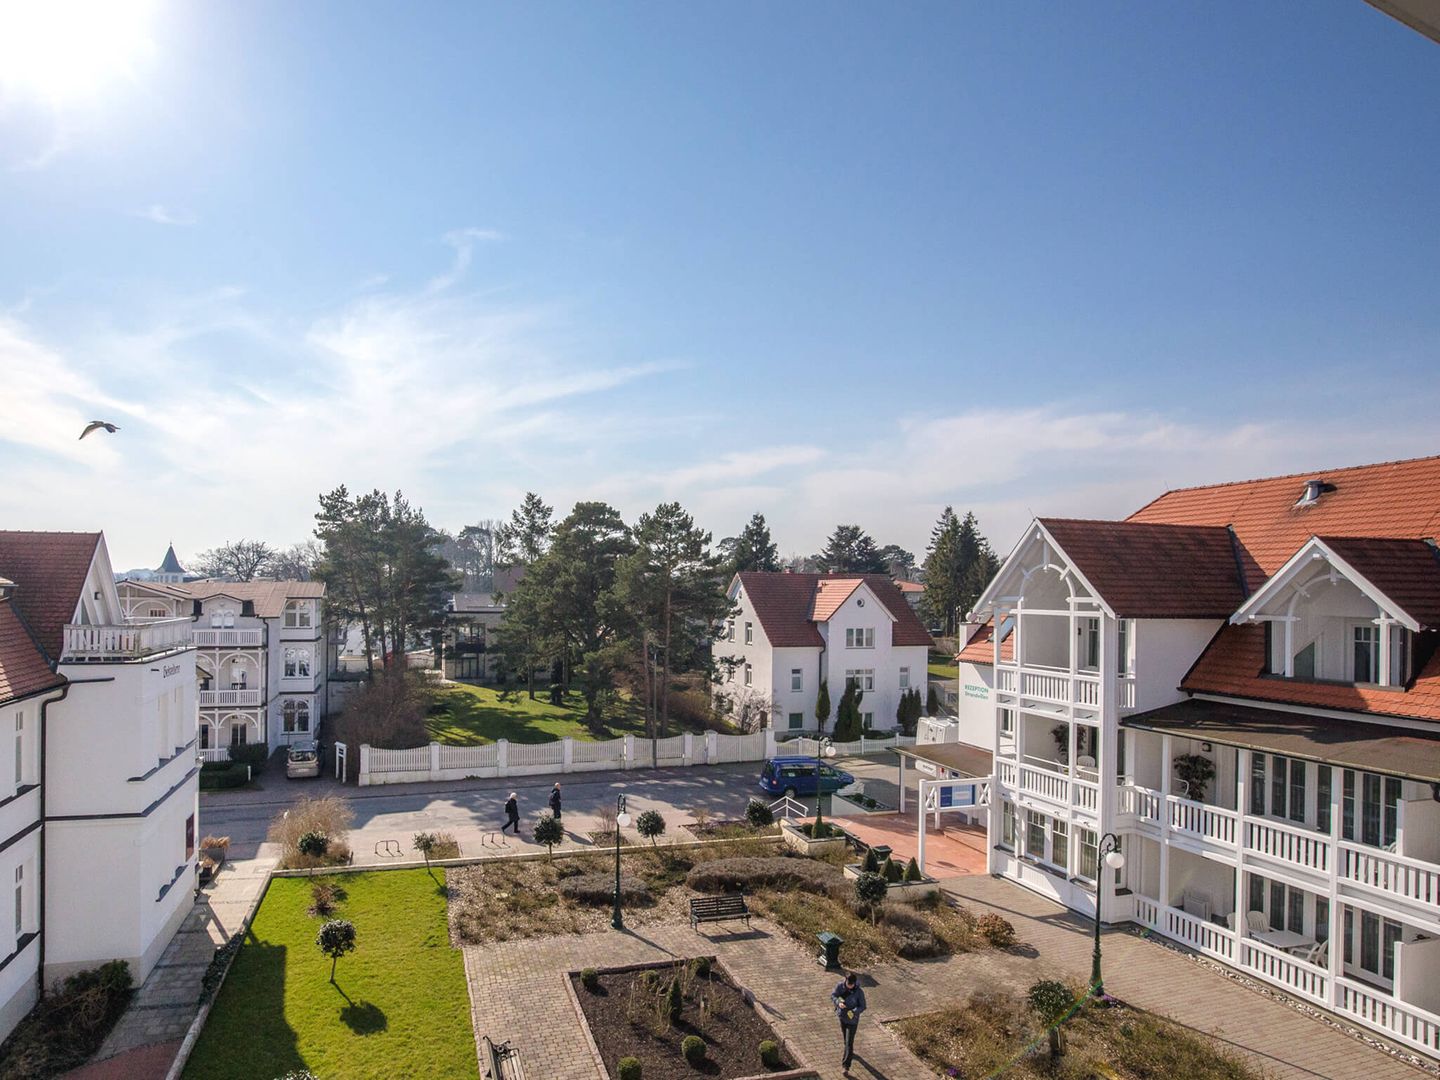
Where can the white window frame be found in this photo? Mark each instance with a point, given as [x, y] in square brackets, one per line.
[1353, 644]
[295, 716]
[297, 615]
[797, 680]
[749, 633]
[748, 675]
[860, 637]
[904, 678]
[1090, 629]
[730, 630]
[864, 678]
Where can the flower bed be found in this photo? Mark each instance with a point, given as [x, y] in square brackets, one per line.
[632, 1012]
[865, 804]
[799, 838]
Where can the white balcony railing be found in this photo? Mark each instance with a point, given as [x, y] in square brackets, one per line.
[1295, 975]
[1308, 850]
[1140, 802]
[1395, 875]
[1404, 1023]
[1126, 690]
[1042, 686]
[126, 642]
[215, 753]
[1006, 771]
[1198, 819]
[1087, 795]
[1005, 679]
[1200, 935]
[235, 698]
[1044, 783]
[229, 639]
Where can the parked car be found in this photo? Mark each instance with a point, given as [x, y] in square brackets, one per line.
[792, 776]
[303, 759]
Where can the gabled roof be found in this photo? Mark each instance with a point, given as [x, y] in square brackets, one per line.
[49, 570]
[979, 650]
[789, 606]
[1233, 666]
[268, 596]
[1395, 499]
[24, 668]
[170, 564]
[159, 588]
[1152, 571]
[910, 586]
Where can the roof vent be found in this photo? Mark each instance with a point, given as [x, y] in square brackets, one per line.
[1313, 490]
[6, 588]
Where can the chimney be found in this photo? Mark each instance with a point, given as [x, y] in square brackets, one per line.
[1313, 490]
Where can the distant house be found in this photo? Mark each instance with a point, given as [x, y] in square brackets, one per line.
[466, 651]
[792, 630]
[913, 591]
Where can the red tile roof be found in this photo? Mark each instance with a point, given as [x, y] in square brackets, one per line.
[1393, 499]
[24, 670]
[910, 586]
[788, 605]
[1232, 664]
[979, 650]
[49, 571]
[1152, 571]
[1406, 571]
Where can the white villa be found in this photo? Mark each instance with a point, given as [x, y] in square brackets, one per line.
[1242, 684]
[261, 655]
[98, 801]
[792, 630]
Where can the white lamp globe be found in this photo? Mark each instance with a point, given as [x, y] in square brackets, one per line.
[1114, 860]
[622, 819]
[829, 751]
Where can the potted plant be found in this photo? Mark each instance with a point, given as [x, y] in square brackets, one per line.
[1195, 771]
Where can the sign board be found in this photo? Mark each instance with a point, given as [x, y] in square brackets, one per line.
[973, 691]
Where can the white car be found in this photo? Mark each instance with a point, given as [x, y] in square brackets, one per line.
[302, 760]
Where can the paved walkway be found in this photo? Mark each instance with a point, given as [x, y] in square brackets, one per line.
[163, 1008]
[953, 850]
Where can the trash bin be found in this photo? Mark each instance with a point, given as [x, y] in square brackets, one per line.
[882, 852]
[829, 949]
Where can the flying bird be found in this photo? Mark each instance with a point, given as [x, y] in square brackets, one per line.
[95, 425]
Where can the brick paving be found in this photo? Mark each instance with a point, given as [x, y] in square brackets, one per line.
[953, 849]
[517, 991]
[164, 1007]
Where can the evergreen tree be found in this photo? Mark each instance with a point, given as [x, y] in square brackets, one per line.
[822, 705]
[525, 538]
[958, 565]
[899, 563]
[753, 549]
[851, 550]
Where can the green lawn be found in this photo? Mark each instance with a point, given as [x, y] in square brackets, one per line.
[943, 667]
[398, 1006]
[475, 714]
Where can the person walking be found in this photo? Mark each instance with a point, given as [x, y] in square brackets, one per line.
[555, 801]
[512, 814]
[849, 1001]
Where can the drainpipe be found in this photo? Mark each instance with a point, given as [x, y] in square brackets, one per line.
[44, 787]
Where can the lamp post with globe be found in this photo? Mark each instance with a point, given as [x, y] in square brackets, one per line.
[1113, 858]
[617, 920]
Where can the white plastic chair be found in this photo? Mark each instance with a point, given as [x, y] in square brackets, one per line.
[1256, 922]
[1319, 954]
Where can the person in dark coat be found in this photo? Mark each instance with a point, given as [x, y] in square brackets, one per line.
[512, 814]
[849, 1001]
[555, 801]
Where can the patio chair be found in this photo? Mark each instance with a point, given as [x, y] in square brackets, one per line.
[1319, 954]
[1256, 922]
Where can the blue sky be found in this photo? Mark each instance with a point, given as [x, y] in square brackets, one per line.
[830, 262]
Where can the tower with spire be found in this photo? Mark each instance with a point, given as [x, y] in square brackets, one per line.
[170, 571]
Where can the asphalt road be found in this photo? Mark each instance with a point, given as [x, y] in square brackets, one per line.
[473, 810]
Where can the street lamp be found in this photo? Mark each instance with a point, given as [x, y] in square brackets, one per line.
[824, 748]
[1112, 857]
[621, 819]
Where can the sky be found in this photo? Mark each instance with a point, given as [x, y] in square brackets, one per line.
[827, 262]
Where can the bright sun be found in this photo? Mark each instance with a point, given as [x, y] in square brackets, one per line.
[61, 50]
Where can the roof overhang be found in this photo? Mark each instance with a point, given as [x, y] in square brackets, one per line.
[1422, 16]
[1410, 753]
[1295, 575]
[959, 757]
[1016, 570]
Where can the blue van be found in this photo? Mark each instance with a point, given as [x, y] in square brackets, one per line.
[796, 776]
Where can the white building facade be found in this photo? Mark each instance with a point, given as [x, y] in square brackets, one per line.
[261, 656]
[791, 631]
[99, 808]
[1252, 712]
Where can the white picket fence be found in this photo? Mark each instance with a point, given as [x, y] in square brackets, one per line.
[504, 758]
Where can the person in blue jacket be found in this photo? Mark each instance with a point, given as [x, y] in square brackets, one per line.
[849, 1001]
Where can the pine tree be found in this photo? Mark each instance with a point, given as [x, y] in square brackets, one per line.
[958, 565]
[526, 536]
[822, 705]
[851, 550]
[753, 549]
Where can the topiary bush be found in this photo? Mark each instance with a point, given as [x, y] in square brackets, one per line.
[650, 825]
[871, 865]
[549, 831]
[700, 967]
[870, 892]
[590, 979]
[628, 1069]
[891, 871]
[674, 1001]
[1052, 1002]
[693, 1047]
[313, 844]
[770, 1053]
[335, 939]
[912, 871]
[996, 929]
[759, 814]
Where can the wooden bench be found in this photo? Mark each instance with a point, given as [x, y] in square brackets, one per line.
[718, 909]
[502, 1061]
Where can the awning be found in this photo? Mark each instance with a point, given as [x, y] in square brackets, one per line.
[958, 757]
[1350, 744]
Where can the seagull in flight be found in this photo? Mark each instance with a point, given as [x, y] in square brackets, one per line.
[95, 425]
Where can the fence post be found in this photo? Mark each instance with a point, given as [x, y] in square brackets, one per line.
[689, 751]
[364, 778]
[712, 747]
[629, 752]
[770, 742]
[434, 758]
[568, 753]
[502, 757]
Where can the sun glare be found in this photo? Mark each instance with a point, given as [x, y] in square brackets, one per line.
[61, 50]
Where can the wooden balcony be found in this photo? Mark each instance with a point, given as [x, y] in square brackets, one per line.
[1057, 686]
[91, 644]
[231, 698]
[229, 639]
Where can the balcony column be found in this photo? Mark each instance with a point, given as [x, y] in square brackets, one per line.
[1336, 952]
[1242, 795]
[1164, 896]
[1383, 675]
[1106, 759]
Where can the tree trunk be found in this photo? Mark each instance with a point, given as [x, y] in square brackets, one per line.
[333, 961]
[665, 670]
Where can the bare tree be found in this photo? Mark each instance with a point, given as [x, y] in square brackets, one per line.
[295, 563]
[237, 560]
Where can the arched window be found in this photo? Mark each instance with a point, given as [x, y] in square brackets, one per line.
[297, 663]
[296, 716]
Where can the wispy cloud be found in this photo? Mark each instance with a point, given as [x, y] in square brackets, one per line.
[167, 215]
[462, 242]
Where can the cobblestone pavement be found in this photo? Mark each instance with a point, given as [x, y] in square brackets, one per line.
[165, 1005]
[517, 993]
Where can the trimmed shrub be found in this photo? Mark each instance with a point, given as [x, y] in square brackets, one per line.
[745, 874]
[598, 889]
[912, 934]
[912, 871]
[335, 939]
[675, 1004]
[323, 896]
[424, 843]
[700, 967]
[770, 1053]
[759, 814]
[253, 754]
[891, 871]
[590, 979]
[871, 865]
[223, 777]
[628, 1069]
[693, 1047]
[313, 845]
[996, 929]
[1052, 1002]
[549, 831]
[329, 816]
[650, 825]
[870, 891]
